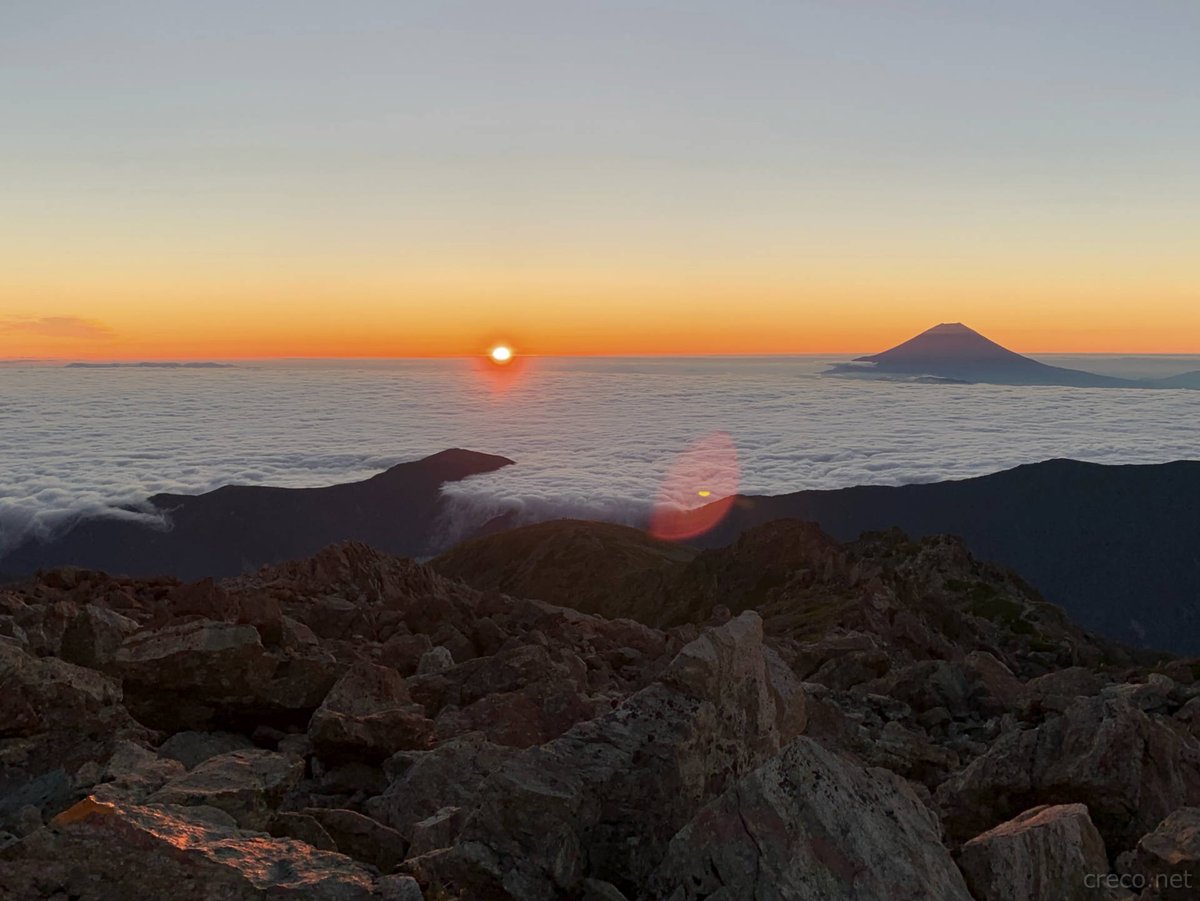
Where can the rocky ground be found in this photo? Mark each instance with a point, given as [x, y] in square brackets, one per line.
[580, 712]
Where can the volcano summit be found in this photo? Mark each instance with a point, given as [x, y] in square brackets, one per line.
[952, 352]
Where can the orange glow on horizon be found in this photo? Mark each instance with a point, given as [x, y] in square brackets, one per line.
[585, 315]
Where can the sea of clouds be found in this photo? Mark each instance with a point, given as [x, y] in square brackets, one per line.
[591, 438]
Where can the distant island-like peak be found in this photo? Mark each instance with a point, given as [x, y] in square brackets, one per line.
[949, 342]
[952, 352]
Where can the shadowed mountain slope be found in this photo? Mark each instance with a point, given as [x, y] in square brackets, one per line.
[238, 528]
[595, 567]
[1118, 547]
[930, 593]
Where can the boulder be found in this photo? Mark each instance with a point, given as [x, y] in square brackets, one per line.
[528, 716]
[603, 800]
[110, 852]
[193, 748]
[435, 660]
[1130, 768]
[400, 888]
[361, 837]
[403, 653]
[39, 694]
[998, 681]
[55, 715]
[193, 675]
[302, 827]
[424, 782]
[808, 824]
[1167, 860]
[248, 785]
[368, 715]
[94, 636]
[133, 773]
[437, 831]
[1045, 852]
[48, 794]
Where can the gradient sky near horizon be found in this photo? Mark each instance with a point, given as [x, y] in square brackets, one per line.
[228, 179]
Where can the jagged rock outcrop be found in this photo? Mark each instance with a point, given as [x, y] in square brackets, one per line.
[542, 752]
[807, 824]
[603, 800]
[1044, 852]
[1130, 768]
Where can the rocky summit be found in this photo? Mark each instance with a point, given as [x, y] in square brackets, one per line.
[581, 712]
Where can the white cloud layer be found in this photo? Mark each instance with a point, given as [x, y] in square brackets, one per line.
[592, 438]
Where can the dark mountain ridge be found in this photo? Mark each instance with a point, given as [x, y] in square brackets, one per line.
[238, 528]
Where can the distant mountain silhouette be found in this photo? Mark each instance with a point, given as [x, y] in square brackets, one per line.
[150, 365]
[239, 528]
[953, 352]
[1118, 547]
[1183, 380]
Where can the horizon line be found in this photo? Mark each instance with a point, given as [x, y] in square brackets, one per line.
[134, 360]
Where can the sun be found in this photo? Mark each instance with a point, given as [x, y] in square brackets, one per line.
[501, 354]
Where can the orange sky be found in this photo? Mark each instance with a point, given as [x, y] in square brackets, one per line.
[698, 312]
[617, 178]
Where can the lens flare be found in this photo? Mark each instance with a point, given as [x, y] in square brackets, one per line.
[698, 490]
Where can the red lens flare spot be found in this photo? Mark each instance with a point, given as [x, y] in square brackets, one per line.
[698, 490]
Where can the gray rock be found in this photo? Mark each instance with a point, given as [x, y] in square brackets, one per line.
[94, 636]
[48, 794]
[177, 678]
[27, 820]
[436, 832]
[361, 837]
[403, 652]
[302, 827]
[248, 785]
[808, 824]
[425, 782]
[1168, 859]
[400, 888]
[368, 715]
[133, 773]
[604, 800]
[1045, 852]
[1130, 768]
[193, 748]
[435, 660]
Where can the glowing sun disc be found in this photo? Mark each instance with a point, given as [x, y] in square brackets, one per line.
[501, 354]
